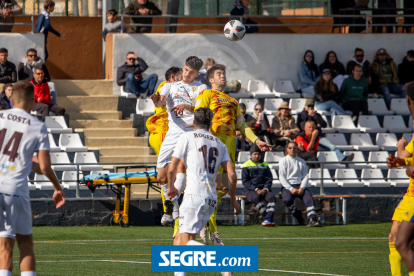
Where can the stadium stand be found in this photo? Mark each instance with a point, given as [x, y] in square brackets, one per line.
[284, 89]
[339, 140]
[378, 107]
[296, 105]
[57, 124]
[145, 107]
[271, 106]
[61, 158]
[397, 177]
[315, 176]
[259, 89]
[52, 143]
[71, 142]
[358, 156]
[387, 141]
[378, 156]
[362, 141]
[343, 123]
[87, 158]
[374, 178]
[250, 103]
[329, 156]
[399, 106]
[395, 124]
[370, 124]
[347, 178]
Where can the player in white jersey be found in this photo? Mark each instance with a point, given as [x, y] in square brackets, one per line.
[202, 153]
[21, 135]
[179, 98]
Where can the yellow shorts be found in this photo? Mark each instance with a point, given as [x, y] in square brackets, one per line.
[155, 141]
[405, 210]
[230, 143]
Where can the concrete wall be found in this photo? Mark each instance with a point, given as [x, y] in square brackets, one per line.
[266, 57]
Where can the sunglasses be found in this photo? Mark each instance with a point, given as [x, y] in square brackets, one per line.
[309, 55]
[32, 56]
[40, 74]
[258, 109]
[359, 56]
[131, 58]
[311, 106]
[292, 147]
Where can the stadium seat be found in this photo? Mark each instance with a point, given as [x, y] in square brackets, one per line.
[259, 89]
[410, 122]
[52, 143]
[363, 142]
[276, 182]
[339, 140]
[297, 105]
[239, 174]
[387, 141]
[347, 178]
[100, 172]
[398, 178]
[56, 124]
[358, 157]
[329, 128]
[370, 124]
[374, 178]
[378, 156]
[126, 94]
[31, 185]
[273, 158]
[243, 156]
[378, 107]
[395, 124]
[67, 177]
[329, 156]
[71, 143]
[408, 136]
[270, 119]
[87, 158]
[145, 107]
[57, 158]
[250, 103]
[315, 175]
[42, 185]
[399, 106]
[271, 105]
[343, 123]
[284, 89]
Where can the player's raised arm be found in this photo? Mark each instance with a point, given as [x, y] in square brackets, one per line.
[233, 184]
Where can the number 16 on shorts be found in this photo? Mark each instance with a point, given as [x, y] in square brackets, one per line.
[194, 258]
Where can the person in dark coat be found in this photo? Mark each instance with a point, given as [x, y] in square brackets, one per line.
[241, 9]
[332, 63]
[144, 8]
[406, 68]
[8, 72]
[5, 95]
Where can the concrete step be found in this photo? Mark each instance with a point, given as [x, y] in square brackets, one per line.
[126, 159]
[125, 151]
[108, 132]
[100, 123]
[83, 87]
[140, 191]
[88, 103]
[115, 142]
[96, 115]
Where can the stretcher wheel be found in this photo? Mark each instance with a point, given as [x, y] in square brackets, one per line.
[112, 222]
[121, 223]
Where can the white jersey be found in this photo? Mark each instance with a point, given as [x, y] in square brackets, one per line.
[203, 154]
[181, 93]
[21, 135]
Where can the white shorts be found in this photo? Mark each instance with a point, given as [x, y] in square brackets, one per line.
[167, 148]
[15, 215]
[195, 212]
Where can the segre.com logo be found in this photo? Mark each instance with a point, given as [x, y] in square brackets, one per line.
[227, 258]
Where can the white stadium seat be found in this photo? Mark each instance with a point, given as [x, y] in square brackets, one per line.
[339, 140]
[276, 182]
[100, 172]
[378, 156]
[329, 128]
[363, 142]
[284, 89]
[315, 175]
[239, 174]
[42, 185]
[396, 124]
[370, 124]
[399, 106]
[67, 177]
[329, 156]
[250, 103]
[56, 124]
[52, 143]
[358, 157]
[374, 178]
[398, 178]
[347, 178]
[145, 107]
[408, 136]
[271, 105]
[270, 119]
[410, 122]
[273, 157]
[243, 156]
[71, 142]
[126, 94]
[297, 105]
[387, 141]
[87, 158]
[378, 107]
[343, 123]
[57, 158]
[259, 89]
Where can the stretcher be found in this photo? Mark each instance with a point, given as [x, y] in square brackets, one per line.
[115, 181]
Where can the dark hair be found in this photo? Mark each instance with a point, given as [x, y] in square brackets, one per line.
[410, 90]
[213, 69]
[312, 66]
[7, 85]
[194, 63]
[410, 53]
[356, 65]
[48, 3]
[326, 86]
[112, 12]
[172, 71]
[203, 117]
[3, 50]
[130, 53]
[327, 57]
[290, 142]
[242, 106]
[31, 50]
[23, 91]
[358, 50]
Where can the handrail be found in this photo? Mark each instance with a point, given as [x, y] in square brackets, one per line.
[31, 24]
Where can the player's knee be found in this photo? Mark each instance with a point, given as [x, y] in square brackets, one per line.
[402, 246]
[162, 179]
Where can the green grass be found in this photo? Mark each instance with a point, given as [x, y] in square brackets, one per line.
[329, 249]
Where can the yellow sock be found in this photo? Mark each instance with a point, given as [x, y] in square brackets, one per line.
[396, 261]
[176, 226]
[212, 222]
[411, 273]
[163, 200]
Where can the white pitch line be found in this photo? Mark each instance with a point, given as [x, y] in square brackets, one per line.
[301, 272]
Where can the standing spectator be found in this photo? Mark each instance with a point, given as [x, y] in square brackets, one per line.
[385, 70]
[257, 181]
[241, 9]
[308, 74]
[145, 8]
[43, 98]
[113, 26]
[7, 69]
[43, 24]
[284, 126]
[130, 75]
[202, 74]
[250, 122]
[327, 96]
[333, 64]
[354, 93]
[8, 9]
[29, 63]
[293, 175]
[5, 95]
[406, 68]
[262, 126]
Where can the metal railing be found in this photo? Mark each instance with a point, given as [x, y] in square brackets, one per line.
[31, 24]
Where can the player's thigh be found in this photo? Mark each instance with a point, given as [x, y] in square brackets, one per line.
[405, 236]
[230, 143]
[7, 227]
[195, 212]
[6, 245]
[22, 215]
[394, 230]
[167, 149]
[402, 208]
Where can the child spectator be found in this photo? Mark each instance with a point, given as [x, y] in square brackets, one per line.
[5, 102]
[113, 26]
[43, 23]
[327, 96]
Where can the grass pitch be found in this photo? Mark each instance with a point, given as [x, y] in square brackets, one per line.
[358, 249]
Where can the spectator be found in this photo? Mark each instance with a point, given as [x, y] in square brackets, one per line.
[43, 98]
[262, 126]
[284, 126]
[29, 63]
[327, 96]
[145, 8]
[257, 181]
[7, 69]
[293, 175]
[308, 74]
[43, 24]
[130, 75]
[113, 26]
[5, 95]
[406, 68]
[202, 74]
[309, 114]
[250, 122]
[385, 70]
[8, 9]
[308, 143]
[354, 93]
[241, 9]
[332, 63]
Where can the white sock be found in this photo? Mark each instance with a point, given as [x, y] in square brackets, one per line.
[28, 273]
[5, 272]
[180, 273]
[165, 190]
[179, 184]
[193, 242]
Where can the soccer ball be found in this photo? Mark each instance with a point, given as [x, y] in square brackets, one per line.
[234, 30]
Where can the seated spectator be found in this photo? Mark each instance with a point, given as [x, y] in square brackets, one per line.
[130, 75]
[202, 74]
[293, 175]
[333, 64]
[354, 93]
[43, 24]
[406, 68]
[5, 95]
[284, 126]
[241, 9]
[308, 74]
[257, 181]
[29, 63]
[262, 126]
[113, 26]
[385, 70]
[141, 7]
[308, 143]
[327, 96]
[242, 142]
[7, 69]
[8, 9]
[43, 99]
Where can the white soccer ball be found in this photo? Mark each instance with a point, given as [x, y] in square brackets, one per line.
[234, 30]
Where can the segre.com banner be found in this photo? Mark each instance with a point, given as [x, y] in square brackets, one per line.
[194, 258]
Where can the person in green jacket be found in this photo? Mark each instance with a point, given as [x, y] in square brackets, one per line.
[354, 93]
